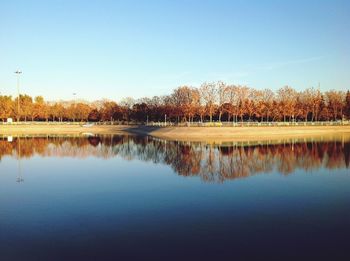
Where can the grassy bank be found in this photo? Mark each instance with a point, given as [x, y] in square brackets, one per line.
[183, 133]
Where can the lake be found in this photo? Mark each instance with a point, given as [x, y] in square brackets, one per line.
[125, 197]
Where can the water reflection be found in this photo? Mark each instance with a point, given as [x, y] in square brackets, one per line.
[19, 178]
[211, 162]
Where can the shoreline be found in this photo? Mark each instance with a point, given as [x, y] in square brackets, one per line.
[212, 134]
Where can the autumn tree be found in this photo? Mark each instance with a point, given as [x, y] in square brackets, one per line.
[94, 115]
[167, 107]
[6, 107]
[82, 111]
[195, 103]
[267, 99]
[208, 93]
[126, 107]
[229, 105]
[335, 100]
[222, 91]
[61, 111]
[25, 106]
[310, 103]
[26, 103]
[71, 112]
[186, 99]
[316, 98]
[323, 113]
[140, 112]
[39, 109]
[250, 103]
[187, 103]
[347, 105]
[287, 97]
[242, 94]
[110, 111]
[57, 111]
[234, 100]
[181, 98]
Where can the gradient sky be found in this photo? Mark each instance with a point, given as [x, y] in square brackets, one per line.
[114, 49]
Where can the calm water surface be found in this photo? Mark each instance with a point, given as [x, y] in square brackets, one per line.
[119, 197]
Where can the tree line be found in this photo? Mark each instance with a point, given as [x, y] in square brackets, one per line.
[216, 101]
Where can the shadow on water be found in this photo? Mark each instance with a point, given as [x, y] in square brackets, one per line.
[141, 130]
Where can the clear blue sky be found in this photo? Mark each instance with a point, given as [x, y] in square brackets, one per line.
[114, 49]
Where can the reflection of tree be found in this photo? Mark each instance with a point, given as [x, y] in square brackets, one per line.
[212, 163]
[347, 154]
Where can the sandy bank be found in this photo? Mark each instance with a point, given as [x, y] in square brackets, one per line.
[247, 133]
[28, 129]
[183, 133]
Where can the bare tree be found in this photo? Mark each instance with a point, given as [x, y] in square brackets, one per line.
[208, 92]
[243, 94]
[267, 99]
[222, 91]
[287, 97]
[335, 100]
